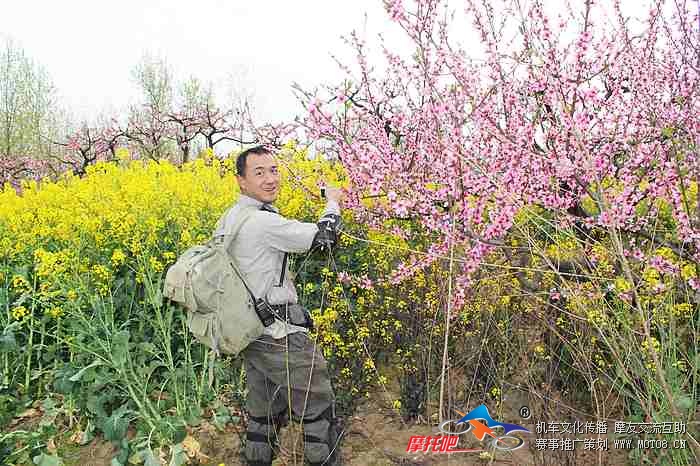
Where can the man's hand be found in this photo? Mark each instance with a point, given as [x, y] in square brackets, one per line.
[334, 194]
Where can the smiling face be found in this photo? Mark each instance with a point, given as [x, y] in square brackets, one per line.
[261, 179]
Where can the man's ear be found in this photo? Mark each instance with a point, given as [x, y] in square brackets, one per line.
[241, 182]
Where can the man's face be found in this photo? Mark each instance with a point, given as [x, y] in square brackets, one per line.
[261, 180]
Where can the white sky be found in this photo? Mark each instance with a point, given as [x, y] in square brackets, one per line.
[90, 47]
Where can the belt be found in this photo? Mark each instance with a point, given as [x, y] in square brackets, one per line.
[282, 312]
[281, 307]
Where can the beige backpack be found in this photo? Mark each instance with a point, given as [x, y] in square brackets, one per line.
[206, 281]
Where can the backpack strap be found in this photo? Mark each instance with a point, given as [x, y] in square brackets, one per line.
[245, 214]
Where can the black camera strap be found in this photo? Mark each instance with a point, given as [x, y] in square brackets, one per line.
[250, 292]
[284, 269]
[269, 208]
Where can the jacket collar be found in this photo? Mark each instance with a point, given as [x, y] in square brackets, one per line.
[247, 201]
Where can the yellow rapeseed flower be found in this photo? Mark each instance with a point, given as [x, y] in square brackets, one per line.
[19, 283]
[155, 264]
[118, 257]
[19, 312]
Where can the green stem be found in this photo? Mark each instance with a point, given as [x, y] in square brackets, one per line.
[27, 372]
[84, 349]
[41, 347]
[200, 388]
[6, 371]
[137, 400]
[28, 368]
[8, 316]
[6, 360]
[144, 390]
[58, 335]
[164, 323]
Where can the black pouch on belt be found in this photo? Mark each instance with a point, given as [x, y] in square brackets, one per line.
[309, 320]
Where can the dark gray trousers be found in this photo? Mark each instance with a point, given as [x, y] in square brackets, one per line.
[288, 376]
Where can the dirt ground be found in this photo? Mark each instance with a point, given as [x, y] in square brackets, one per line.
[374, 436]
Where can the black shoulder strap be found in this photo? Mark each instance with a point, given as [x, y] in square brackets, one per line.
[284, 269]
[250, 292]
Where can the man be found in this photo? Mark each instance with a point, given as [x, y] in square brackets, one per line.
[285, 371]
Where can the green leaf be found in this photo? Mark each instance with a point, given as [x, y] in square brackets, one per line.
[179, 431]
[685, 403]
[78, 375]
[179, 457]
[48, 404]
[155, 297]
[8, 343]
[123, 455]
[194, 417]
[88, 433]
[95, 404]
[145, 456]
[51, 412]
[147, 371]
[47, 460]
[149, 458]
[220, 419]
[115, 426]
[120, 347]
[148, 347]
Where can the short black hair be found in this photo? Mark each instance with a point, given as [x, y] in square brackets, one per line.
[243, 157]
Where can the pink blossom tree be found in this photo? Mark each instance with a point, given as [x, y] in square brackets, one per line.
[15, 169]
[462, 145]
[87, 146]
[587, 119]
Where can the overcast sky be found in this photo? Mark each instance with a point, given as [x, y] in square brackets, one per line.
[90, 47]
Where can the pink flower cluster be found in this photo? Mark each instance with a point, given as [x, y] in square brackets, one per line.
[565, 115]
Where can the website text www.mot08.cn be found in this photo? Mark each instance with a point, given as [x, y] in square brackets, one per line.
[600, 427]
